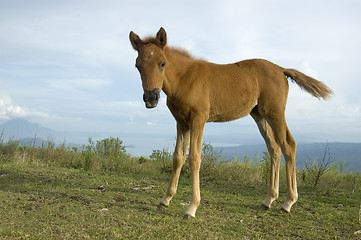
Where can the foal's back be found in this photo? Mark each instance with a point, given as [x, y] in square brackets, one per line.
[235, 89]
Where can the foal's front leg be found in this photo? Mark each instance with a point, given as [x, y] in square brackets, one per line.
[195, 163]
[179, 158]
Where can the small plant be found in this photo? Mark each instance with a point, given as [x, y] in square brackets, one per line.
[359, 215]
[110, 146]
[49, 144]
[142, 160]
[163, 158]
[105, 154]
[319, 167]
[247, 161]
[88, 153]
[209, 159]
[265, 166]
[341, 167]
[303, 175]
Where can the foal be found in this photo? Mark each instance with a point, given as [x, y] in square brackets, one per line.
[199, 91]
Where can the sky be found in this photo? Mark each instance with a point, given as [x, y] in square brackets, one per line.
[69, 65]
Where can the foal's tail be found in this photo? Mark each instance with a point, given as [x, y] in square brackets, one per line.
[311, 85]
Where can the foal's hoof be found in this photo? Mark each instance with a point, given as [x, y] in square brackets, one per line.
[162, 205]
[264, 207]
[284, 210]
[187, 216]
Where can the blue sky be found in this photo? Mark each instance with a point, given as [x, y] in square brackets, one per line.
[69, 66]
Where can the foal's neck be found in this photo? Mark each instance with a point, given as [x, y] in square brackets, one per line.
[179, 62]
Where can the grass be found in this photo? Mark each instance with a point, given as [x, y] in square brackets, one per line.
[45, 199]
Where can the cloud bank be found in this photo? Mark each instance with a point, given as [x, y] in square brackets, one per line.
[69, 64]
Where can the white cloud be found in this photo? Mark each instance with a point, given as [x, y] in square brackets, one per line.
[74, 59]
[85, 83]
[10, 110]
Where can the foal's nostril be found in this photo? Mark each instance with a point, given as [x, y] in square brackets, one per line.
[151, 97]
[157, 94]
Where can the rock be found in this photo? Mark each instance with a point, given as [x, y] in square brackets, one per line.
[338, 206]
[137, 188]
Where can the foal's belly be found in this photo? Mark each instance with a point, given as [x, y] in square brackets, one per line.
[227, 117]
[230, 112]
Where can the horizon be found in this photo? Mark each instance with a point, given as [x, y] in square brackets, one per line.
[137, 144]
[69, 65]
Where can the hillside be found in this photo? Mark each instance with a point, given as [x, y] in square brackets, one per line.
[50, 192]
[349, 153]
[19, 128]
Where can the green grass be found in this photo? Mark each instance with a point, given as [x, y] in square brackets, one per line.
[55, 194]
[41, 202]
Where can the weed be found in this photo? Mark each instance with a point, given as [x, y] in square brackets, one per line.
[162, 158]
[319, 167]
[265, 166]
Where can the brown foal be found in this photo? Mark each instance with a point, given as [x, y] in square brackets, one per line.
[199, 91]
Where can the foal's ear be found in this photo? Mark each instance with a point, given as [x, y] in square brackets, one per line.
[161, 38]
[135, 40]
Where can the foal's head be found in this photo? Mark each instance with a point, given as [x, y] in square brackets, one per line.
[150, 63]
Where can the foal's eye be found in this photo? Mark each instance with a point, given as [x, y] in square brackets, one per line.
[161, 65]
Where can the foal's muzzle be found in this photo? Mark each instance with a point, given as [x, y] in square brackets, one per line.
[151, 97]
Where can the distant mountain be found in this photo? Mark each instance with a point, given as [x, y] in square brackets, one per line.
[20, 128]
[348, 153]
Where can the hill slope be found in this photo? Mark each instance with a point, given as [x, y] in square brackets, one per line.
[349, 153]
[45, 202]
[19, 128]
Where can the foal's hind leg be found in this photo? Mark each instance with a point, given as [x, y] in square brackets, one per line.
[179, 158]
[275, 154]
[288, 147]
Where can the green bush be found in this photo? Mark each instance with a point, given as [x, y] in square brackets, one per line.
[210, 157]
[110, 147]
[163, 159]
[107, 154]
[10, 148]
[265, 167]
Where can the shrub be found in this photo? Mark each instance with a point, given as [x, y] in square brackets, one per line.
[110, 147]
[106, 154]
[163, 159]
[265, 167]
[210, 157]
[9, 148]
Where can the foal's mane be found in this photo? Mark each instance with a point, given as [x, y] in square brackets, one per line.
[181, 52]
[175, 50]
[149, 40]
